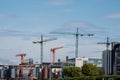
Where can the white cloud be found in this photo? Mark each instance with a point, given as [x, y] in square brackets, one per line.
[3, 15]
[8, 62]
[59, 2]
[84, 27]
[113, 16]
[6, 16]
[11, 31]
[67, 10]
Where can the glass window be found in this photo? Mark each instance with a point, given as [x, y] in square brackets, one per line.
[84, 62]
[118, 61]
[118, 68]
[118, 54]
[91, 61]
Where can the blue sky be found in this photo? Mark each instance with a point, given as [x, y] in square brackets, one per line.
[24, 21]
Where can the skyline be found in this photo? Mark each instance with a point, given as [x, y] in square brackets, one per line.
[24, 21]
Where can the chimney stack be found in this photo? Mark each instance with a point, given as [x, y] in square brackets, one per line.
[66, 59]
[59, 61]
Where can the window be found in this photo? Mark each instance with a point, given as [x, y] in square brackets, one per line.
[91, 61]
[118, 61]
[118, 68]
[118, 54]
[84, 62]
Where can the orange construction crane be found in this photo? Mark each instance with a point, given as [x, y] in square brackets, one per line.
[53, 53]
[22, 55]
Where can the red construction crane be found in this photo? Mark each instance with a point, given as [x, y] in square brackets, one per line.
[53, 53]
[22, 55]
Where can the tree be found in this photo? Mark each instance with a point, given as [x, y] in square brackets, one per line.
[72, 71]
[90, 70]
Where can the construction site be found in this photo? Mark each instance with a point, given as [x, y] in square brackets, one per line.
[27, 69]
[59, 39]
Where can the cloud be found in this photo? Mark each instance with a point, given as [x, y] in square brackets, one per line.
[6, 16]
[84, 27]
[59, 2]
[18, 33]
[3, 15]
[7, 62]
[67, 10]
[113, 16]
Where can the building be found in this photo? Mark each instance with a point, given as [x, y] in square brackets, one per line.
[79, 62]
[95, 61]
[28, 61]
[111, 60]
[49, 70]
[116, 58]
[107, 62]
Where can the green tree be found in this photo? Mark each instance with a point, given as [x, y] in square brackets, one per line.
[101, 70]
[72, 71]
[90, 70]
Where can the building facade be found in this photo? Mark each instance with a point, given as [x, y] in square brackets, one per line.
[107, 62]
[95, 61]
[111, 60]
[79, 62]
[116, 58]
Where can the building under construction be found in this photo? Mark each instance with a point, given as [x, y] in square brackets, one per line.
[14, 71]
[111, 60]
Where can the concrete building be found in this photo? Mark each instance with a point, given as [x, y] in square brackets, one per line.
[107, 62]
[116, 58]
[111, 60]
[95, 61]
[79, 62]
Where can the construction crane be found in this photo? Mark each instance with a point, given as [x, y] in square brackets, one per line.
[41, 44]
[77, 34]
[107, 43]
[22, 55]
[53, 53]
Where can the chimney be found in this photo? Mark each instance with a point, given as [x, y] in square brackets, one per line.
[66, 59]
[59, 61]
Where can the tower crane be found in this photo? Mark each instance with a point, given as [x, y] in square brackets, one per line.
[22, 55]
[53, 53]
[41, 44]
[107, 43]
[77, 34]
